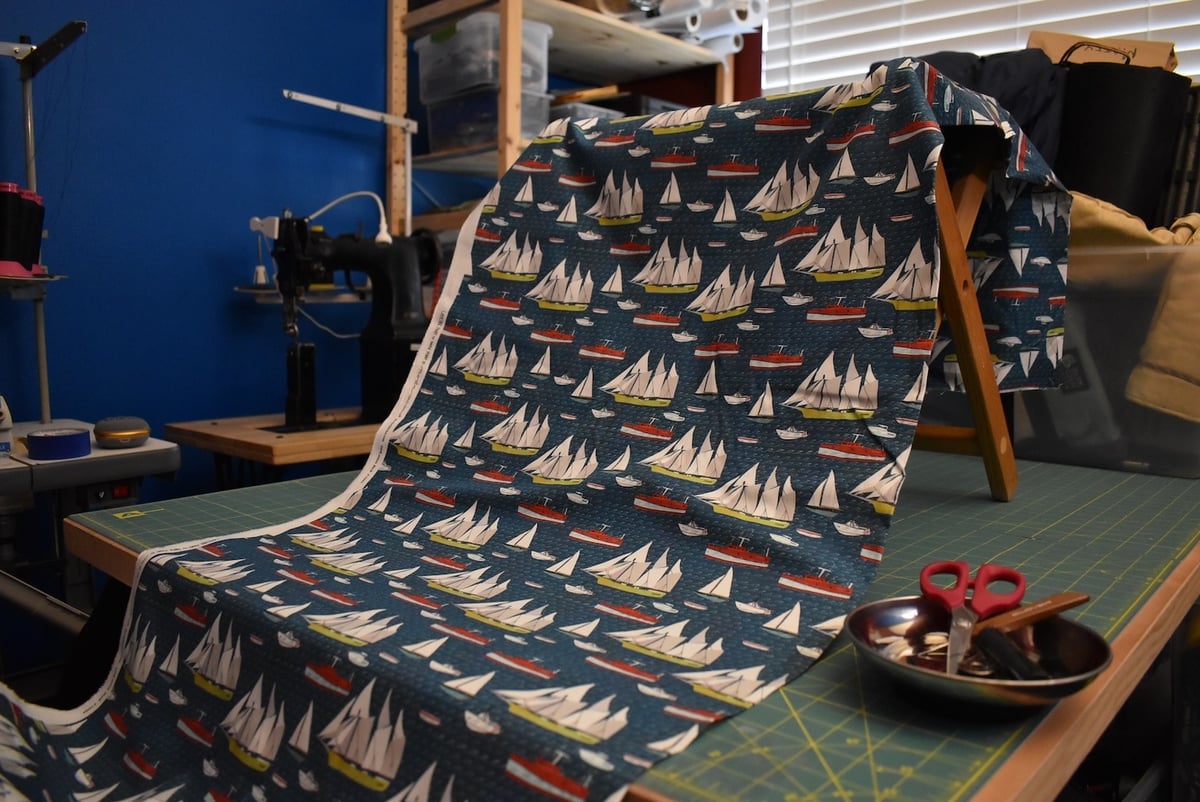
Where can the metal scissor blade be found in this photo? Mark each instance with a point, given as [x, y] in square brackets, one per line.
[961, 624]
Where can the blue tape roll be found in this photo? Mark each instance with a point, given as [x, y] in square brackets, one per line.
[49, 444]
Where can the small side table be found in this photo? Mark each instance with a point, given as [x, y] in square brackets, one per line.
[258, 447]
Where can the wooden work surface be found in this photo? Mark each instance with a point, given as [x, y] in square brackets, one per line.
[840, 731]
[249, 437]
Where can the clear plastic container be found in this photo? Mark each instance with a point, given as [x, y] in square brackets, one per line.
[472, 118]
[581, 111]
[466, 56]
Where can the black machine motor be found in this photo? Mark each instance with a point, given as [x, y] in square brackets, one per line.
[305, 256]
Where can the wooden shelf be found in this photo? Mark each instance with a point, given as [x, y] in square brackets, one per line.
[585, 44]
[479, 160]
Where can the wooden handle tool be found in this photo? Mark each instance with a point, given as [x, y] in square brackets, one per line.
[1031, 613]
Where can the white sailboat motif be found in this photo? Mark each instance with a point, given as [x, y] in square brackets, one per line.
[462, 530]
[409, 526]
[620, 463]
[170, 664]
[467, 439]
[563, 710]
[786, 194]
[719, 588]
[509, 615]
[441, 365]
[540, 368]
[638, 384]
[516, 435]
[913, 285]
[826, 394]
[349, 563]
[469, 686]
[787, 622]
[667, 273]
[255, 732]
[524, 539]
[559, 292]
[566, 566]
[426, 648]
[515, 262]
[468, 584]
[683, 459]
[723, 298]
[562, 465]
[916, 393]
[614, 285]
[736, 686]
[633, 572]
[525, 193]
[363, 746]
[837, 257]
[420, 789]
[825, 497]
[670, 195]
[216, 661]
[488, 364]
[708, 385]
[140, 660]
[726, 212]
[213, 572]
[769, 503]
[668, 642]
[381, 504]
[585, 389]
[328, 541]
[568, 216]
[910, 179]
[774, 279]
[882, 488]
[764, 406]
[302, 735]
[676, 743]
[354, 628]
[616, 206]
[421, 439]
[82, 754]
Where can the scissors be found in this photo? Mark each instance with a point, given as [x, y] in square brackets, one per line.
[966, 610]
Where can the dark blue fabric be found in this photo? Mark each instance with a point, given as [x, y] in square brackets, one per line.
[647, 459]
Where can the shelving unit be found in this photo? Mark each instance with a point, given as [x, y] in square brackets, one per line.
[586, 46]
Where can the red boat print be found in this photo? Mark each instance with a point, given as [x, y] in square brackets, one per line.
[494, 477]
[335, 597]
[487, 235]
[601, 351]
[781, 124]
[552, 337]
[852, 451]
[297, 576]
[490, 407]
[913, 348]
[718, 348]
[213, 549]
[137, 763]
[327, 678]
[520, 664]
[114, 722]
[398, 481]
[732, 169]
[534, 165]
[797, 232]
[275, 551]
[816, 584]
[1015, 293]
[646, 431]
[659, 502]
[737, 555]
[455, 332]
[835, 313]
[656, 320]
[545, 778]
[835, 143]
[577, 180]
[541, 512]
[418, 600]
[672, 160]
[500, 303]
[628, 613]
[191, 614]
[435, 498]
[871, 552]
[776, 361]
[912, 129]
[619, 667]
[443, 562]
[194, 731]
[692, 713]
[596, 537]
[461, 634]
[630, 248]
[615, 140]
[1057, 300]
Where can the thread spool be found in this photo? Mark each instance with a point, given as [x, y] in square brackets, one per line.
[725, 45]
[672, 11]
[678, 26]
[728, 21]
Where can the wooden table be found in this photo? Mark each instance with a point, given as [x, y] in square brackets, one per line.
[256, 439]
[838, 731]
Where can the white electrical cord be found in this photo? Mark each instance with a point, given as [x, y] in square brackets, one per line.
[324, 328]
[383, 237]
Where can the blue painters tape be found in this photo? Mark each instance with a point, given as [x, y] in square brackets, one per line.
[58, 443]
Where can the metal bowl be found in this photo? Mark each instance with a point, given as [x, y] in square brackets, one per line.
[1070, 653]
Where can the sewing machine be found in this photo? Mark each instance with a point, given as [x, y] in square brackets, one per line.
[305, 255]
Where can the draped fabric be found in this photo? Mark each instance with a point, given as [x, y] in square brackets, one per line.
[646, 460]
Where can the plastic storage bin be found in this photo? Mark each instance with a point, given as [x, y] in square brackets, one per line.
[1131, 396]
[466, 56]
[472, 118]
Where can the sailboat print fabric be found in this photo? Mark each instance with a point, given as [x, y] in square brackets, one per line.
[646, 460]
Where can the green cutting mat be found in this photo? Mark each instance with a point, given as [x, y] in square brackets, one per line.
[1113, 536]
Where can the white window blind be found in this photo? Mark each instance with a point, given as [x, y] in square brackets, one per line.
[808, 43]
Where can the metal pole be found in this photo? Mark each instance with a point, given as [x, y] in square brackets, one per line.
[41, 604]
[39, 303]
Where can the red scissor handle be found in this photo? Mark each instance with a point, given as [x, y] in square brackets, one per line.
[988, 602]
[984, 600]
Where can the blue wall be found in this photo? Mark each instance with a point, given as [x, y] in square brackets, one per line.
[160, 132]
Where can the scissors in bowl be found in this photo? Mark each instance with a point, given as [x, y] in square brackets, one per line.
[966, 610]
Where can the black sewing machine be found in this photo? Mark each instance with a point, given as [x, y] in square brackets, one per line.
[305, 256]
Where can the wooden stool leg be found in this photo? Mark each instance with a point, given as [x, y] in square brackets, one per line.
[956, 211]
